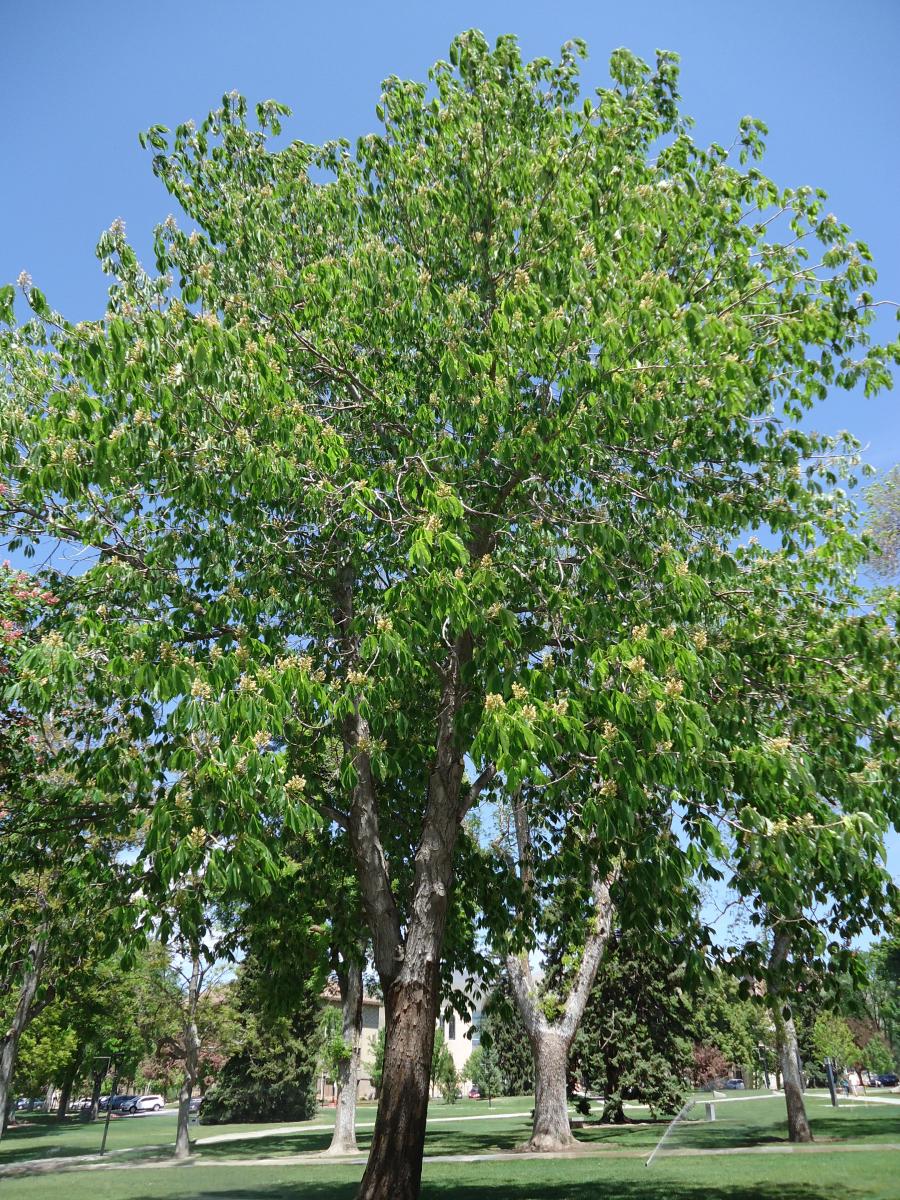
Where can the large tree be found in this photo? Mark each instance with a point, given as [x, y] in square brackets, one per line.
[400, 447]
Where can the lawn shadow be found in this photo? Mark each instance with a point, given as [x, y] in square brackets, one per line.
[856, 1128]
[265, 1147]
[28, 1139]
[504, 1189]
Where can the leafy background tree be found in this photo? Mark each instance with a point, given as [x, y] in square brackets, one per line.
[272, 1076]
[636, 1037]
[483, 1069]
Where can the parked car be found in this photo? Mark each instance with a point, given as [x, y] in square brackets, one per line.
[474, 1093]
[889, 1079]
[149, 1103]
[119, 1103]
[734, 1085]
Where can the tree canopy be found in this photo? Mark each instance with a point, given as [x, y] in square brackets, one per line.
[432, 455]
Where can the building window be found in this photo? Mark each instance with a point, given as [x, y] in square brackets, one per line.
[451, 1029]
[370, 1016]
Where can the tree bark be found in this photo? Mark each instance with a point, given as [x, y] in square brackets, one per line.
[9, 1043]
[191, 1057]
[343, 1140]
[408, 970]
[394, 1169]
[551, 1129]
[786, 1043]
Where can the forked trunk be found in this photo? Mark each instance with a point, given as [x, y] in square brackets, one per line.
[407, 965]
[191, 1057]
[9, 1043]
[343, 1140]
[551, 1130]
[550, 1041]
[394, 1169]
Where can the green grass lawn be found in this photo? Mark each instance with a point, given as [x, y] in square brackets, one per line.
[868, 1176]
[871, 1174]
[41, 1136]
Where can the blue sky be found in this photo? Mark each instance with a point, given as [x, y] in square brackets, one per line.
[80, 81]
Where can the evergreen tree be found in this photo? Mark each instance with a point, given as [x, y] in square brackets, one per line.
[635, 1038]
[502, 1029]
[272, 1077]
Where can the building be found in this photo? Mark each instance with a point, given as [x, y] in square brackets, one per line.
[460, 1034]
[372, 1021]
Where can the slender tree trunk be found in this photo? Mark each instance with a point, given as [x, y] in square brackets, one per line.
[408, 969]
[191, 1057]
[68, 1083]
[786, 1036]
[394, 1169]
[407, 963]
[95, 1096]
[9, 1043]
[786, 1043]
[343, 1140]
[65, 1095]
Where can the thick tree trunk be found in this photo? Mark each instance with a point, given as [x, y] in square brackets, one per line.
[551, 1130]
[786, 1042]
[343, 1140]
[394, 1168]
[9, 1043]
[191, 1057]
